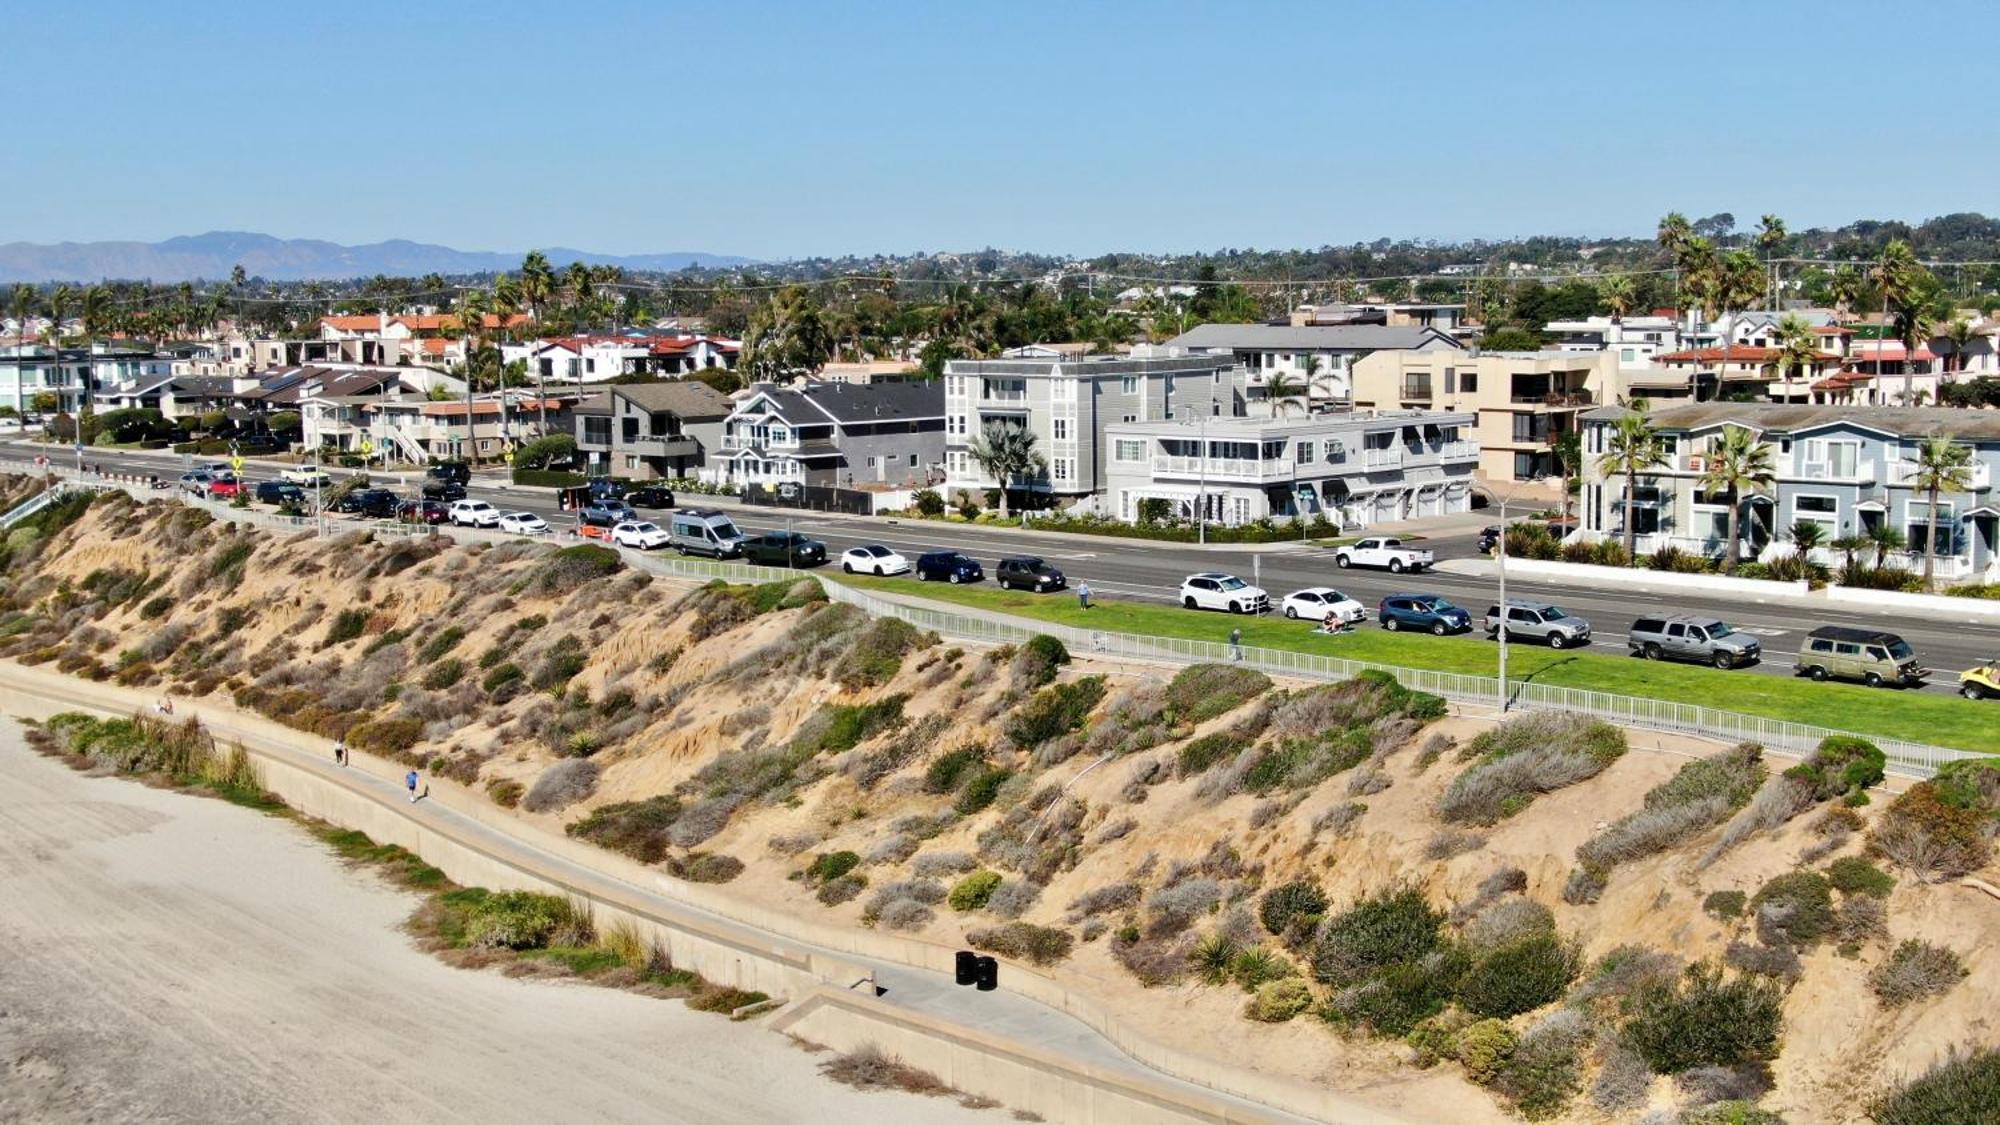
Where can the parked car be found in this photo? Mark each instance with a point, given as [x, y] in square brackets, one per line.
[1489, 538]
[642, 534]
[1703, 639]
[196, 483]
[422, 511]
[650, 496]
[783, 548]
[606, 488]
[1028, 572]
[280, 492]
[1876, 658]
[1383, 552]
[306, 476]
[704, 531]
[1317, 603]
[371, 502]
[1422, 611]
[873, 559]
[450, 472]
[1539, 621]
[1211, 590]
[523, 523]
[949, 566]
[224, 486]
[443, 491]
[474, 513]
[1981, 681]
[609, 513]
[216, 468]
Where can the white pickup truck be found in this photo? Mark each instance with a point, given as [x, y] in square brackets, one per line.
[1384, 553]
[307, 475]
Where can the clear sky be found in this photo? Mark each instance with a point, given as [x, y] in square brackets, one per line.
[781, 130]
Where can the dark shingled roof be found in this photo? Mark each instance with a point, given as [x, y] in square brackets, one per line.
[857, 405]
[1903, 421]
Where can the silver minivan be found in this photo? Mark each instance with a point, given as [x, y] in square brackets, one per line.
[704, 531]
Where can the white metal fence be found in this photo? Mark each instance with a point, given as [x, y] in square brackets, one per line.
[1913, 759]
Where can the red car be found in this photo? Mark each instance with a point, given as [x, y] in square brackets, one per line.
[224, 488]
[420, 511]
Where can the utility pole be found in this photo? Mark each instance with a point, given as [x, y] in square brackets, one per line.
[1501, 550]
[1201, 497]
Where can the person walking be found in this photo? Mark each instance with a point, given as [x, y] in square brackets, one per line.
[410, 782]
[1083, 595]
[1236, 644]
[340, 751]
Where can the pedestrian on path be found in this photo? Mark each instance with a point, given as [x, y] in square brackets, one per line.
[1236, 644]
[1083, 595]
[340, 751]
[410, 782]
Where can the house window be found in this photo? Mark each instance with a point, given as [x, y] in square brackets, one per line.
[1129, 418]
[1917, 531]
[913, 460]
[1059, 429]
[1450, 381]
[1128, 384]
[1125, 449]
[1060, 467]
[1305, 452]
[630, 428]
[631, 462]
[1469, 382]
[597, 431]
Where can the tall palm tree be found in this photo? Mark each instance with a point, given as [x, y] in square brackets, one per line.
[1287, 393]
[1674, 233]
[58, 305]
[1798, 347]
[1960, 333]
[1738, 464]
[472, 308]
[1309, 374]
[1567, 452]
[1943, 465]
[1631, 448]
[1845, 289]
[1906, 286]
[1771, 236]
[1007, 453]
[21, 303]
[538, 283]
[506, 302]
[580, 283]
[1616, 293]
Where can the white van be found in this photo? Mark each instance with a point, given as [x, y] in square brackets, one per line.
[704, 531]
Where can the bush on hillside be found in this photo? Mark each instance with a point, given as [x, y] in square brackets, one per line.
[1965, 1087]
[1795, 908]
[1282, 904]
[1201, 692]
[1524, 757]
[1937, 829]
[1053, 711]
[1852, 875]
[1023, 941]
[1394, 926]
[972, 892]
[1279, 1000]
[562, 784]
[1705, 1018]
[640, 829]
[1915, 971]
[1519, 977]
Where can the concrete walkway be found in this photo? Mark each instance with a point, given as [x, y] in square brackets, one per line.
[996, 1013]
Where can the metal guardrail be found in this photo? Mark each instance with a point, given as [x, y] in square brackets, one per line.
[1912, 759]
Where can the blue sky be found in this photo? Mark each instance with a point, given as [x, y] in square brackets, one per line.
[780, 130]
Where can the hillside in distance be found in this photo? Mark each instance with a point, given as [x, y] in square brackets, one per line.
[213, 255]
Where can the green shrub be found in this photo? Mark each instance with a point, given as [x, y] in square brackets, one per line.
[441, 642]
[1965, 1087]
[1283, 903]
[1916, 970]
[1545, 1070]
[1970, 783]
[444, 674]
[1705, 1019]
[1213, 956]
[1841, 766]
[1251, 969]
[927, 503]
[518, 920]
[1050, 651]
[1537, 753]
[1279, 1000]
[1054, 711]
[1484, 1048]
[878, 652]
[1210, 750]
[500, 677]
[562, 663]
[1930, 836]
[828, 866]
[1800, 904]
[971, 892]
[950, 768]
[1396, 999]
[1392, 927]
[1734, 775]
[1852, 875]
[505, 792]
[571, 567]
[1519, 977]
[1730, 1113]
[1725, 905]
[347, 625]
[1037, 945]
[981, 790]
[1202, 691]
[388, 737]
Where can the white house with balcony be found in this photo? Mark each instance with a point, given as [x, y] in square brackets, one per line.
[1353, 469]
[1316, 356]
[1848, 469]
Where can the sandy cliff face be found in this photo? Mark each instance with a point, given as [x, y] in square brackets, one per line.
[1137, 825]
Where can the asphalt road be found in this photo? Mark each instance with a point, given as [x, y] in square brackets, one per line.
[1133, 569]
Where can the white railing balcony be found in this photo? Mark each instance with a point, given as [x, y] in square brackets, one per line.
[1861, 473]
[1904, 474]
[1454, 451]
[1373, 459]
[1221, 468]
[994, 394]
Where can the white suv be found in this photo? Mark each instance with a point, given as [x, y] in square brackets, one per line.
[473, 513]
[643, 535]
[1224, 592]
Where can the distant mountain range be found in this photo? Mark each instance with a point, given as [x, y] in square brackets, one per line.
[211, 256]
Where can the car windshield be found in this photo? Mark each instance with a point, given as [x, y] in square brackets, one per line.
[1901, 650]
[645, 528]
[1553, 614]
[1232, 583]
[1435, 605]
[1717, 629]
[875, 552]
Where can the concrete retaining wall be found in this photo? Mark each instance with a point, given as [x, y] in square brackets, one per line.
[1929, 605]
[1627, 578]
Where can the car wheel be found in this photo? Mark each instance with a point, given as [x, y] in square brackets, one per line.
[847, 567]
[1342, 561]
[953, 578]
[923, 576]
[1972, 691]
[1438, 629]
[1817, 673]
[880, 571]
[1872, 680]
[1391, 624]
[1395, 566]
[1652, 651]
[1004, 585]
[1292, 612]
[1188, 603]
[1721, 660]
[1556, 640]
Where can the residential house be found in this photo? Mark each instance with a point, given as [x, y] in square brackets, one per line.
[649, 431]
[1747, 369]
[1353, 468]
[420, 429]
[1320, 356]
[835, 435]
[73, 374]
[1066, 405]
[1524, 401]
[599, 359]
[1635, 339]
[1846, 468]
[1447, 318]
[183, 396]
[330, 399]
[407, 338]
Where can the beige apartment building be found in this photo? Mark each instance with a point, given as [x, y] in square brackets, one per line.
[1523, 400]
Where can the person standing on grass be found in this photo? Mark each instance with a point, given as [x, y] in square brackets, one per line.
[1235, 644]
[410, 782]
[1083, 595]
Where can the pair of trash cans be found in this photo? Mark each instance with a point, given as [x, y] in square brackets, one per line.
[982, 973]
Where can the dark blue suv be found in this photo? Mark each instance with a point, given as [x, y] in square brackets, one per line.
[949, 566]
[1422, 611]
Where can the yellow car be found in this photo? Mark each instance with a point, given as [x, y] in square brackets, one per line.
[1981, 681]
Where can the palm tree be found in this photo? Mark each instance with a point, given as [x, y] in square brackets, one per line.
[21, 303]
[1807, 536]
[1885, 539]
[506, 302]
[1633, 447]
[472, 324]
[1674, 234]
[1849, 546]
[58, 305]
[1737, 281]
[1616, 293]
[538, 283]
[1798, 346]
[1285, 393]
[1740, 463]
[1943, 465]
[1906, 286]
[1007, 453]
[1845, 289]
[1567, 452]
[1309, 374]
[579, 281]
[1960, 333]
[1771, 236]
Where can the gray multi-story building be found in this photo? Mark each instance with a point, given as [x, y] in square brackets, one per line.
[1849, 469]
[1354, 469]
[71, 375]
[648, 431]
[1067, 403]
[835, 435]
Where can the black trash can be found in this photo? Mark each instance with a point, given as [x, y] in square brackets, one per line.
[989, 974]
[967, 965]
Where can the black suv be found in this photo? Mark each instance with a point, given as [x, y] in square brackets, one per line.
[280, 492]
[1029, 573]
[443, 491]
[950, 566]
[650, 496]
[783, 548]
[450, 472]
[375, 503]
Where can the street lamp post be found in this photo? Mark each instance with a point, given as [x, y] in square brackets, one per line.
[1500, 548]
[1201, 496]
